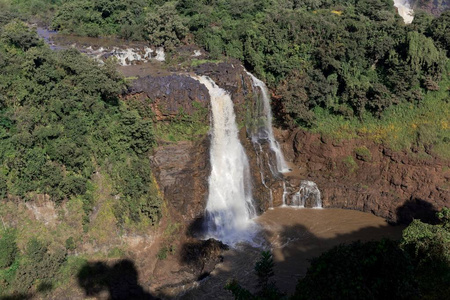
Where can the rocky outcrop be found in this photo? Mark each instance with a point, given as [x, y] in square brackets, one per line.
[182, 170]
[355, 174]
[433, 7]
[231, 76]
[362, 175]
[171, 94]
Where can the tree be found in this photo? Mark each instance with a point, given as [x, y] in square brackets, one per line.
[440, 30]
[267, 289]
[17, 34]
[8, 248]
[372, 270]
[164, 27]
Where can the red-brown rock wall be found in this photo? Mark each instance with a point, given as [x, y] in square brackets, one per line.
[362, 175]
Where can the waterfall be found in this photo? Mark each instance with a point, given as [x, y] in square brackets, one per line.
[263, 126]
[308, 190]
[229, 209]
[308, 195]
[404, 10]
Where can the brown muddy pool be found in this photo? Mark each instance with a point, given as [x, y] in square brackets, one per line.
[294, 236]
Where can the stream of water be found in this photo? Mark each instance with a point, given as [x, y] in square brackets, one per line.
[264, 131]
[229, 209]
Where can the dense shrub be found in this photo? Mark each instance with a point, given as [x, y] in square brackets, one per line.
[61, 120]
[8, 248]
[39, 264]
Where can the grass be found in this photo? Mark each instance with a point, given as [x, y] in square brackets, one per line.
[198, 62]
[350, 163]
[184, 127]
[400, 127]
[363, 153]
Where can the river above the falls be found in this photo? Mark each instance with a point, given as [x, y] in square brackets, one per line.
[294, 236]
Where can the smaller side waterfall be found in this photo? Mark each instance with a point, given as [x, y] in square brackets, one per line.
[229, 209]
[309, 190]
[263, 125]
[404, 10]
[308, 195]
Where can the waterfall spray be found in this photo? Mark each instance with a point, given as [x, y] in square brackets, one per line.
[229, 209]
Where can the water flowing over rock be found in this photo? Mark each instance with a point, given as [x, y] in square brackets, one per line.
[229, 209]
[100, 49]
[404, 10]
[261, 129]
[308, 192]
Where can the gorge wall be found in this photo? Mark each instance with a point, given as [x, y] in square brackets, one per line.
[362, 175]
[353, 174]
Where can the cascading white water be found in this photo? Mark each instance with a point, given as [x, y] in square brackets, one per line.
[285, 193]
[404, 10]
[308, 189]
[265, 131]
[308, 195]
[229, 210]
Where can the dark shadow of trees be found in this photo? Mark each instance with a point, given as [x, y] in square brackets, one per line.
[119, 280]
[18, 297]
[297, 246]
[416, 208]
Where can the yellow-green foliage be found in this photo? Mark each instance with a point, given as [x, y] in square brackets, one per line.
[198, 62]
[363, 153]
[350, 163]
[102, 228]
[184, 126]
[399, 127]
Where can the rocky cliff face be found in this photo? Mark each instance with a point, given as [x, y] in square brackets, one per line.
[170, 94]
[355, 174]
[362, 175]
[434, 7]
[231, 76]
[182, 170]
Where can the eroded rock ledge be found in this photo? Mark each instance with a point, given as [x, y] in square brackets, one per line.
[362, 175]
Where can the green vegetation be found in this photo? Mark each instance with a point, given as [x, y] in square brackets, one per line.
[402, 126]
[372, 270]
[350, 164]
[266, 286]
[417, 267]
[342, 68]
[363, 153]
[184, 126]
[65, 135]
[346, 69]
[8, 248]
[61, 120]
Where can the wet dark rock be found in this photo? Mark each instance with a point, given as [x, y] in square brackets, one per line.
[182, 171]
[171, 94]
[202, 256]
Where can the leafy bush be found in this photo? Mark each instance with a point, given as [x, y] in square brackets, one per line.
[266, 287]
[429, 248]
[8, 248]
[40, 263]
[373, 270]
[61, 120]
[350, 164]
[363, 153]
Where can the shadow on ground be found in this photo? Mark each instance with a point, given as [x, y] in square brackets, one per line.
[119, 281]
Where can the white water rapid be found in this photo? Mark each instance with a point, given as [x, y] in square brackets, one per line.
[229, 210]
[404, 10]
[264, 130]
